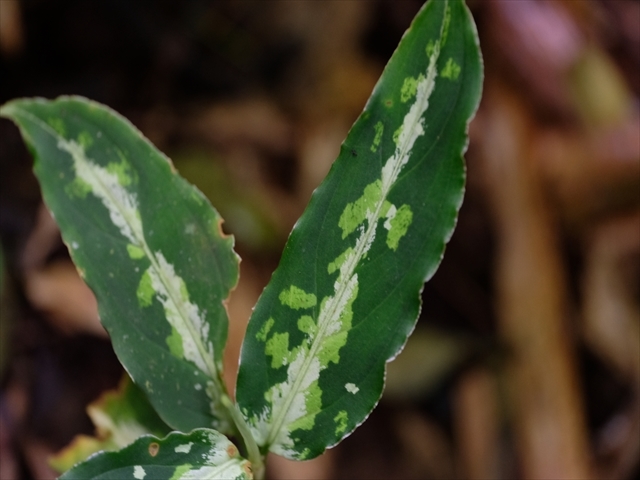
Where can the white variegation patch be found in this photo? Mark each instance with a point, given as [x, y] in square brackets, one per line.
[182, 314]
[293, 394]
[221, 461]
[122, 205]
[186, 448]
[138, 472]
[351, 388]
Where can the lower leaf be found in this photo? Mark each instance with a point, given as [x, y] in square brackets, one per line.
[203, 453]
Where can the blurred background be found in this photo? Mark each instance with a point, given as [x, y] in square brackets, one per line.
[525, 362]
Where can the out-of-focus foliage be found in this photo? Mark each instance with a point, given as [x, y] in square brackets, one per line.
[120, 417]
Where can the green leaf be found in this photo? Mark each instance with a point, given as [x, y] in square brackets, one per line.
[201, 454]
[148, 244]
[346, 294]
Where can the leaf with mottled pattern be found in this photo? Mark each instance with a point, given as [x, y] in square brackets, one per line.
[346, 294]
[149, 245]
[201, 454]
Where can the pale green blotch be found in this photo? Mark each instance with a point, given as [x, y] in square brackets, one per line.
[184, 293]
[431, 47]
[451, 70]
[58, 125]
[180, 471]
[385, 208]
[409, 88]
[304, 454]
[307, 325]
[122, 170]
[174, 342]
[337, 263]
[77, 188]
[313, 404]
[278, 347]
[396, 135]
[297, 298]
[85, 140]
[379, 128]
[264, 331]
[399, 225]
[341, 419]
[135, 252]
[331, 345]
[355, 213]
[145, 291]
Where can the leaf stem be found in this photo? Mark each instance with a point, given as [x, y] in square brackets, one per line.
[253, 452]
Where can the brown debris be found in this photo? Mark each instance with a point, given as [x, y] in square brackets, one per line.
[532, 300]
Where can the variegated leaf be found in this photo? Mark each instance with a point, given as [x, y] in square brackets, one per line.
[201, 454]
[148, 244]
[346, 294]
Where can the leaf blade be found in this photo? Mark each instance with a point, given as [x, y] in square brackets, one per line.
[203, 453]
[146, 242]
[389, 204]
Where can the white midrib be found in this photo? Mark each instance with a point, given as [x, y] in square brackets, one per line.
[209, 362]
[324, 320]
[173, 295]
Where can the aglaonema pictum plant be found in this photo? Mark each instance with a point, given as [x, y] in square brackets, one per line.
[340, 305]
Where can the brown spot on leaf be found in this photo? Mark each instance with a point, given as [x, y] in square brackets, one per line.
[232, 451]
[153, 449]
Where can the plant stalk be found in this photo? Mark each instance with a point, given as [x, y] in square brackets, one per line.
[253, 452]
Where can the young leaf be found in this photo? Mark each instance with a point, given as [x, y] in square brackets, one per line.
[125, 414]
[120, 417]
[203, 453]
[346, 294]
[148, 244]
